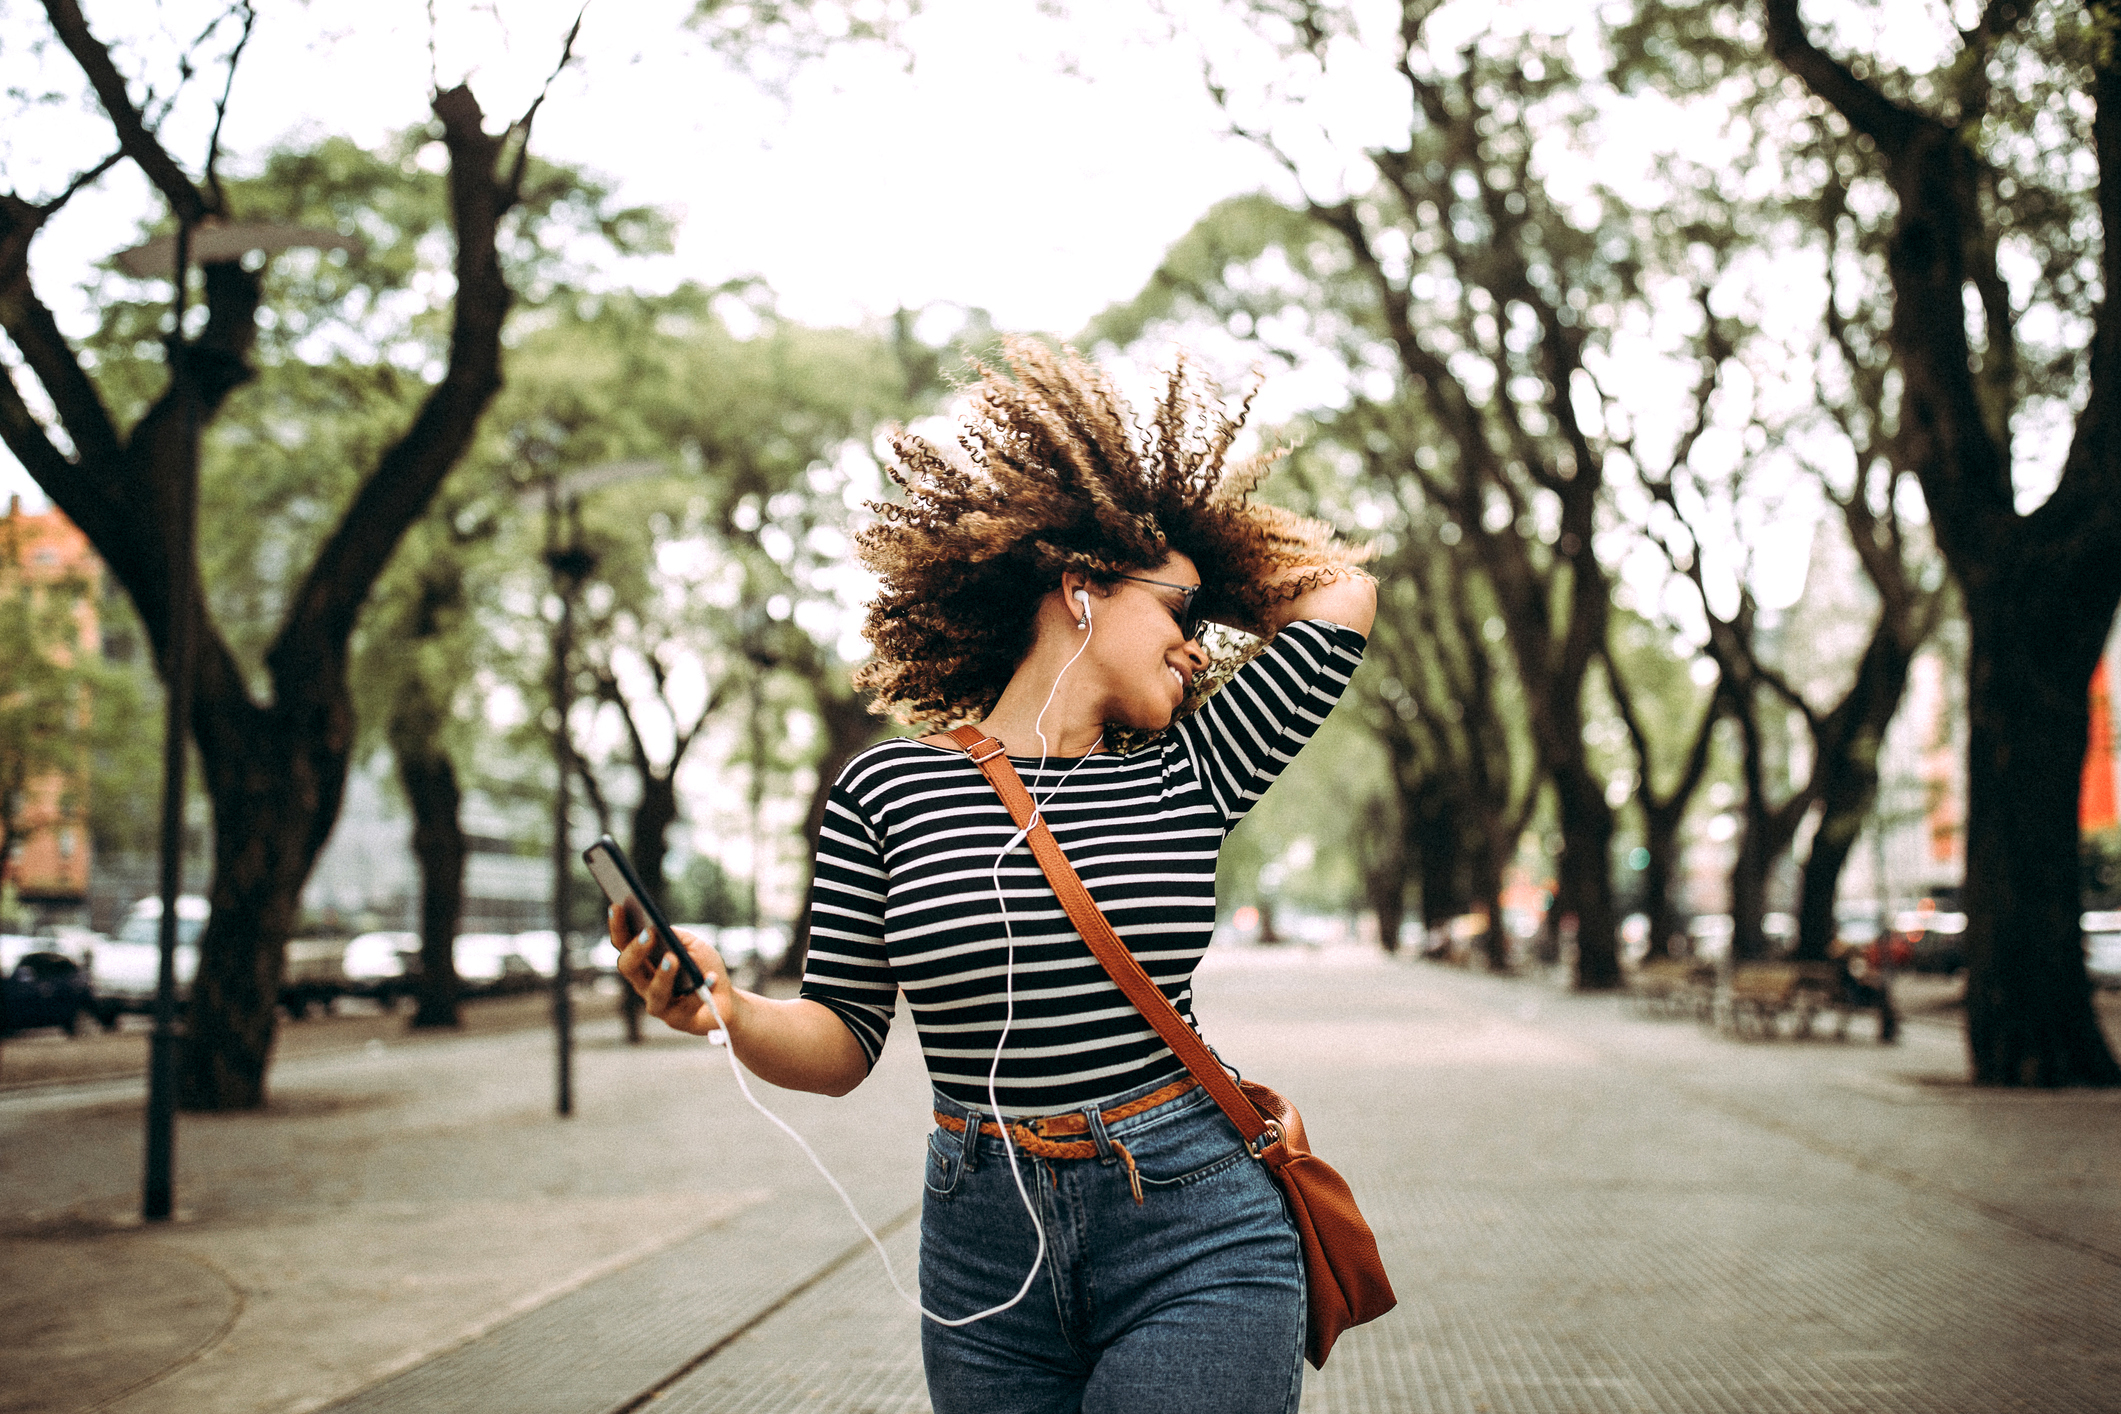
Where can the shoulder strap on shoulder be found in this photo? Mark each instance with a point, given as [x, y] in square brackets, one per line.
[992, 759]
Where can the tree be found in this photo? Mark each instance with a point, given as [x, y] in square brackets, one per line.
[1640, 679]
[1973, 165]
[411, 679]
[1441, 704]
[1488, 300]
[275, 768]
[722, 582]
[1986, 184]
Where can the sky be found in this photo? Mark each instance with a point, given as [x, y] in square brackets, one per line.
[997, 157]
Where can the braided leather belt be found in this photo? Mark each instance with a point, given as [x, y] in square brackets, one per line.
[1043, 1137]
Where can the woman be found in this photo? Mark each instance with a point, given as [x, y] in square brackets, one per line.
[1050, 581]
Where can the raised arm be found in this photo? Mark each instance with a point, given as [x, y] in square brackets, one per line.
[1346, 597]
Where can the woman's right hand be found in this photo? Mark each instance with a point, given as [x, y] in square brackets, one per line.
[688, 1013]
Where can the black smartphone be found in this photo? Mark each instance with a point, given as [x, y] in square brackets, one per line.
[613, 871]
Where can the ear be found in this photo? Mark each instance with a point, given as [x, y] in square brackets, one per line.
[1071, 581]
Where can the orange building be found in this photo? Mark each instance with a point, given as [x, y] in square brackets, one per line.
[51, 858]
[2096, 808]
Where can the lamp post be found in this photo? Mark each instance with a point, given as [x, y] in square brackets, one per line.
[179, 511]
[570, 564]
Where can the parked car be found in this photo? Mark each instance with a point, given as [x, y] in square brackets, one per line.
[488, 965]
[2102, 948]
[1931, 939]
[1709, 936]
[312, 973]
[45, 989]
[540, 947]
[126, 968]
[382, 967]
[16, 946]
[749, 953]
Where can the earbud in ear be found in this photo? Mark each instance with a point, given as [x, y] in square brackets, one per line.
[1082, 597]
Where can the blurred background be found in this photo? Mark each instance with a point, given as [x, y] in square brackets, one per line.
[533, 380]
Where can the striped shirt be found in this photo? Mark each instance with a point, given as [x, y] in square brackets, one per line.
[906, 886]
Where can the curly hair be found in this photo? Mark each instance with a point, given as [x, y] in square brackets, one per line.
[1052, 472]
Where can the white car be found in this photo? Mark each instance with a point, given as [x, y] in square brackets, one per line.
[749, 952]
[488, 963]
[2102, 948]
[540, 947]
[125, 974]
[126, 968]
[383, 966]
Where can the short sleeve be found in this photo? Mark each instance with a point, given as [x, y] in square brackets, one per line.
[848, 969]
[1244, 736]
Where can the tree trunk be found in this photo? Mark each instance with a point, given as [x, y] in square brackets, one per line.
[429, 779]
[2029, 1010]
[1660, 840]
[1388, 902]
[1662, 815]
[1438, 848]
[849, 727]
[1749, 884]
[1384, 874]
[1845, 779]
[1585, 874]
[652, 819]
[276, 776]
[1487, 890]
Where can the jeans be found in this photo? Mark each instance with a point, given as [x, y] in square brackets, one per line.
[1192, 1301]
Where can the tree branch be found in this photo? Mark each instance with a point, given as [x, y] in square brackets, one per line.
[35, 332]
[139, 142]
[1868, 111]
[407, 476]
[213, 143]
[519, 130]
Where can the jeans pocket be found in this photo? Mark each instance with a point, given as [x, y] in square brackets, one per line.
[1198, 1147]
[946, 1163]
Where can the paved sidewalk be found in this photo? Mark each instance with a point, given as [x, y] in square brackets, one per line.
[1582, 1210]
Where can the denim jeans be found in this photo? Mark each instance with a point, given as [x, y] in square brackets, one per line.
[1192, 1301]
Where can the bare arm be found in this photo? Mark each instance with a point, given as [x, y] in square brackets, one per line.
[795, 1044]
[1349, 599]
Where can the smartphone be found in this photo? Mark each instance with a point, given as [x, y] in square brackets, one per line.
[613, 871]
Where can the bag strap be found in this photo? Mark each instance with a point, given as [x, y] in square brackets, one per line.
[1262, 1136]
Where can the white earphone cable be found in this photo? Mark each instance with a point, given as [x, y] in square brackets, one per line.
[993, 1070]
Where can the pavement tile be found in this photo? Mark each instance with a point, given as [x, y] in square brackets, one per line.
[1583, 1210]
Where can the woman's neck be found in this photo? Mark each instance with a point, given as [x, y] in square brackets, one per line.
[1072, 717]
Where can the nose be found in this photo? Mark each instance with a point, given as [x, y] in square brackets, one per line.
[1196, 655]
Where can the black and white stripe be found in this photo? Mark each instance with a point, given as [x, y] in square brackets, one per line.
[906, 892]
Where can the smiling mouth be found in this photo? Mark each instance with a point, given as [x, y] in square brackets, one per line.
[1177, 676]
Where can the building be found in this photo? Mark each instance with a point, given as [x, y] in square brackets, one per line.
[43, 556]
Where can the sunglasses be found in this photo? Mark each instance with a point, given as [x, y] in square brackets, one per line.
[1189, 619]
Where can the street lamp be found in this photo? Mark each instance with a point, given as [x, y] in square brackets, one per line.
[570, 564]
[173, 256]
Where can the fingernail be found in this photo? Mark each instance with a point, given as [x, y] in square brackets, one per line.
[666, 964]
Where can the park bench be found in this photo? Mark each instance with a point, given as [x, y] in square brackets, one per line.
[1673, 986]
[1762, 996]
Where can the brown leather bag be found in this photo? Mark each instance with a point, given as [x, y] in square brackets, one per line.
[1345, 1275]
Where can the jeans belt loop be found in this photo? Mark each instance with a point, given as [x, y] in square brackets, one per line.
[972, 1124]
[1099, 1136]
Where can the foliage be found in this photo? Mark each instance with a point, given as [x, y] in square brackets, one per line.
[348, 345]
[704, 893]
